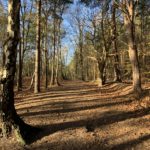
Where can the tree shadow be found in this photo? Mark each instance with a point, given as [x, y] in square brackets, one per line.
[75, 109]
[48, 95]
[107, 119]
[72, 144]
[131, 144]
[61, 97]
[90, 124]
[75, 144]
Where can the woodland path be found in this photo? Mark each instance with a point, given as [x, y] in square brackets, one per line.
[80, 116]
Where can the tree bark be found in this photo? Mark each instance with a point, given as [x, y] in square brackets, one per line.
[81, 50]
[129, 20]
[46, 56]
[11, 122]
[21, 51]
[54, 45]
[38, 47]
[115, 48]
[19, 85]
[102, 77]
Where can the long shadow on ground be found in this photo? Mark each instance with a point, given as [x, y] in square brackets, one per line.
[107, 119]
[91, 124]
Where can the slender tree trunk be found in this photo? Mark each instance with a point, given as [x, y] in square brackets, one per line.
[81, 53]
[56, 51]
[101, 67]
[4, 56]
[59, 70]
[94, 72]
[52, 74]
[54, 46]
[23, 44]
[19, 85]
[102, 62]
[32, 81]
[115, 48]
[38, 47]
[21, 51]
[46, 55]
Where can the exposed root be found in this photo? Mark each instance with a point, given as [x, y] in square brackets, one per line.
[22, 132]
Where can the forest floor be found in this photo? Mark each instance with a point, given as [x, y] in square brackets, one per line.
[80, 116]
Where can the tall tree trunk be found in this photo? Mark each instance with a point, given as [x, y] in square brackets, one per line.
[23, 43]
[115, 48]
[46, 56]
[38, 47]
[59, 66]
[21, 51]
[102, 62]
[57, 52]
[81, 52]
[129, 20]
[52, 74]
[11, 122]
[19, 84]
[54, 47]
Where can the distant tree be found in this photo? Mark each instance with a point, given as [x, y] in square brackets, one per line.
[24, 35]
[78, 25]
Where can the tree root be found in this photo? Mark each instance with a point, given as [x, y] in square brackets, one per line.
[23, 133]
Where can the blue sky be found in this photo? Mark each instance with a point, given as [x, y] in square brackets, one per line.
[67, 41]
[70, 37]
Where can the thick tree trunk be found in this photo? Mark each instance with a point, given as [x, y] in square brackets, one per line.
[38, 47]
[133, 54]
[11, 122]
[115, 48]
[135, 67]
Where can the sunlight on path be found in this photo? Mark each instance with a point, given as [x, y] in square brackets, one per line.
[80, 116]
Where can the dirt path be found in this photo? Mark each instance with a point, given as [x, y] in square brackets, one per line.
[79, 116]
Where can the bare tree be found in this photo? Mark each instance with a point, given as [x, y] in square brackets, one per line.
[23, 40]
